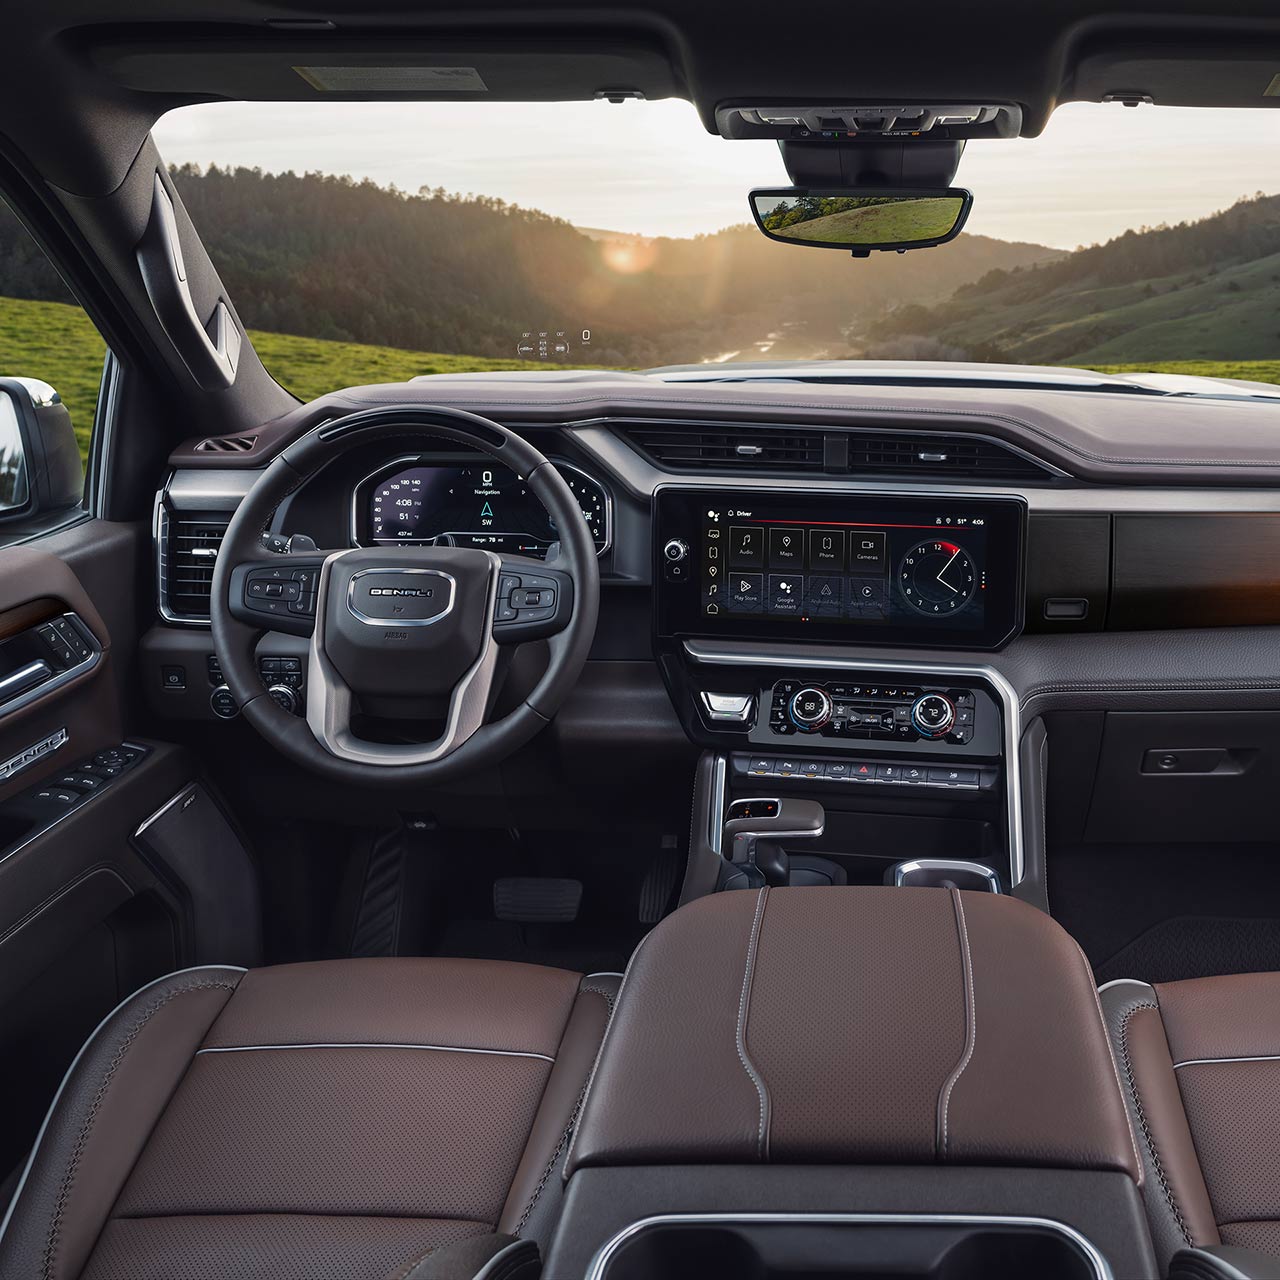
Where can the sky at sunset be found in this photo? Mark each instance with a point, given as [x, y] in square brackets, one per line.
[652, 169]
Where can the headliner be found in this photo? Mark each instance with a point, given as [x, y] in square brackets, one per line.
[104, 70]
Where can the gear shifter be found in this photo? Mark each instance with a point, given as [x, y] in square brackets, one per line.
[756, 828]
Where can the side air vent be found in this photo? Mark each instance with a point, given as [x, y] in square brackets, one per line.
[187, 545]
[227, 444]
[698, 448]
[887, 453]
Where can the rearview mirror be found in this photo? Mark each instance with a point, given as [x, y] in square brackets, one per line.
[859, 220]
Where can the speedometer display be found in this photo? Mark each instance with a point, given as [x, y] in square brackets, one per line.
[478, 504]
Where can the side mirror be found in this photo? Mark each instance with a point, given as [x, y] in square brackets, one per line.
[862, 219]
[40, 466]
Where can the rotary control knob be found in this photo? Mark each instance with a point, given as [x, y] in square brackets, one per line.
[933, 714]
[810, 709]
[284, 697]
[675, 550]
[223, 704]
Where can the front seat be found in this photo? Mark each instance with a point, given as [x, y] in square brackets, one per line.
[384, 1119]
[1200, 1061]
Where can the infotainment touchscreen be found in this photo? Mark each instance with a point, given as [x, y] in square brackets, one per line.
[761, 563]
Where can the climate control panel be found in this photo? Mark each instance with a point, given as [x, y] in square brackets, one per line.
[877, 711]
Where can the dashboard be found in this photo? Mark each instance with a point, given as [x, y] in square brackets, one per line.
[467, 501]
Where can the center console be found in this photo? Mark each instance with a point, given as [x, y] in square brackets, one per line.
[800, 1083]
[759, 598]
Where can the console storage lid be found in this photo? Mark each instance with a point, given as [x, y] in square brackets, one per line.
[857, 1026]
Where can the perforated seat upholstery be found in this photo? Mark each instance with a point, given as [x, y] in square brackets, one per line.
[1201, 1065]
[342, 1119]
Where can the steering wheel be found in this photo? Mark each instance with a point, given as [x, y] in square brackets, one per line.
[409, 633]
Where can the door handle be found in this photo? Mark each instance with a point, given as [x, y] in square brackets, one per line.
[25, 678]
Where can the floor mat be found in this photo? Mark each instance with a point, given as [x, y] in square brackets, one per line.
[1196, 947]
[1161, 913]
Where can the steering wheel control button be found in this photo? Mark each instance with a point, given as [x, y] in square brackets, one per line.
[223, 704]
[933, 714]
[810, 708]
[401, 597]
[283, 696]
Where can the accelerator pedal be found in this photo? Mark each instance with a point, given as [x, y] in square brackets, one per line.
[665, 872]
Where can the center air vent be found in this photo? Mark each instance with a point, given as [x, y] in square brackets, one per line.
[188, 549]
[969, 458]
[769, 451]
[695, 448]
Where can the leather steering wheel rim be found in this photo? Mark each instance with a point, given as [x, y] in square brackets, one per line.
[235, 641]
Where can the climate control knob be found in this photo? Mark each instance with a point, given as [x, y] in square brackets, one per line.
[809, 709]
[675, 550]
[933, 714]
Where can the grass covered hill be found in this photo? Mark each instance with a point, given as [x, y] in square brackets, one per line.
[56, 342]
[1204, 290]
[328, 257]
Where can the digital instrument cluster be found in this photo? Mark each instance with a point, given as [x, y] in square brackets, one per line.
[762, 563]
[416, 501]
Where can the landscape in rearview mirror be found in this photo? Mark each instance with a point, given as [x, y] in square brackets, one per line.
[861, 219]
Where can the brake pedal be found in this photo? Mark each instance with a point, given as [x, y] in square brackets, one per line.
[536, 899]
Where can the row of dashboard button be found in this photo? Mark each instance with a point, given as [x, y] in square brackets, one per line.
[893, 773]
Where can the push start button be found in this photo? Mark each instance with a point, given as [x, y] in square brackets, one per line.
[405, 597]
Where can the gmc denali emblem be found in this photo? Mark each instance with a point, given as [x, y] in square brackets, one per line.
[26, 758]
[411, 597]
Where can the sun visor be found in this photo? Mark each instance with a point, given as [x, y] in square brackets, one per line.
[1208, 73]
[298, 66]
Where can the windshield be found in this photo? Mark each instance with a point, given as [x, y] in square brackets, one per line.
[374, 242]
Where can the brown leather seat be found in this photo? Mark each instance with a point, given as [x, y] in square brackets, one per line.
[1200, 1062]
[347, 1119]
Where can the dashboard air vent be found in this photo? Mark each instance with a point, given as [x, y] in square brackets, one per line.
[189, 545]
[727, 447]
[721, 448]
[887, 452]
[227, 444]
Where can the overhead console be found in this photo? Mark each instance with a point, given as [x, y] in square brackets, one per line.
[861, 568]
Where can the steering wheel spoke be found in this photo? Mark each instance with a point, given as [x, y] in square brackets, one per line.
[533, 601]
[277, 592]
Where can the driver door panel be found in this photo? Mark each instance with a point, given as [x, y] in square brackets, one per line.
[84, 918]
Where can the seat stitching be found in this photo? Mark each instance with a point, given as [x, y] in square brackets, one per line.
[741, 1045]
[64, 1192]
[1142, 1118]
[971, 1018]
[408, 1269]
[561, 1146]
[377, 1044]
[567, 1133]
[604, 1043]
[1106, 1036]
